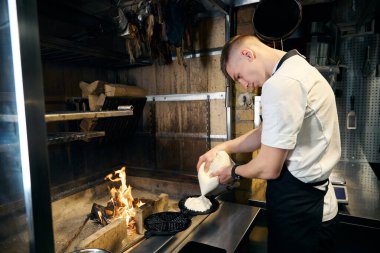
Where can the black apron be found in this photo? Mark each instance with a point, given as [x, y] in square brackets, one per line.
[295, 209]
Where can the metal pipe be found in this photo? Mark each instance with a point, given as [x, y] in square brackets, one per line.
[186, 97]
[228, 100]
[31, 125]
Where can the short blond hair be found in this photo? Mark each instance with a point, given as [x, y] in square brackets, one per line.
[238, 39]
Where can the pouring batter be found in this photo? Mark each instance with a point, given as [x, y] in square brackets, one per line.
[299, 144]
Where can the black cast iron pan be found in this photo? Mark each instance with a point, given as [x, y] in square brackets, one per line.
[166, 223]
[162, 223]
[170, 223]
[276, 20]
[189, 212]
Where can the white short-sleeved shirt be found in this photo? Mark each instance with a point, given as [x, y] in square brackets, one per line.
[299, 114]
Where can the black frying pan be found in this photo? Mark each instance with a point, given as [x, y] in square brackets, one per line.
[166, 223]
[276, 20]
[162, 223]
[189, 212]
[170, 223]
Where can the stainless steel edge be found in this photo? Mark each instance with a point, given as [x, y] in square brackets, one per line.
[239, 3]
[186, 97]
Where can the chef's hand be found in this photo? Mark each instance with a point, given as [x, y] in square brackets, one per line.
[223, 173]
[207, 158]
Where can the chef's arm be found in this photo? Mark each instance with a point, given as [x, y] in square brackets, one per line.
[248, 142]
[266, 165]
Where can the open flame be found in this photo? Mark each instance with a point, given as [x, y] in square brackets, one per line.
[122, 203]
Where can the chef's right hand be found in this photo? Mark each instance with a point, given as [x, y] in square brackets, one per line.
[207, 158]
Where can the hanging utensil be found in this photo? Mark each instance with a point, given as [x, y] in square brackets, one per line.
[366, 71]
[351, 116]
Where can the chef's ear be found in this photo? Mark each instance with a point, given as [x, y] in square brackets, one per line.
[249, 54]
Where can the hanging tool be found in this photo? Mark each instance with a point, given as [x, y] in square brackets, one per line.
[366, 71]
[351, 116]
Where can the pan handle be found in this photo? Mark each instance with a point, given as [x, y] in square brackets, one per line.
[228, 189]
[233, 185]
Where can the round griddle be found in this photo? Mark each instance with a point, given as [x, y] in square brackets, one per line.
[166, 223]
[184, 209]
[163, 223]
[170, 223]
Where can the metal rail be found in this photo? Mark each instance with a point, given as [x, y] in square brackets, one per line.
[186, 97]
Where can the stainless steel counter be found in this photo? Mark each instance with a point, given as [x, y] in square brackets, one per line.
[224, 229]
[363, 190]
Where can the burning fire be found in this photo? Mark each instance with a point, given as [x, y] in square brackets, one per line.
[122, 204]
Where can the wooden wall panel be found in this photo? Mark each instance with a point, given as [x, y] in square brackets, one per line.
[201, 75]
[147, 117]
[53, 76]
[144, 77]
[167, 117]
[198, 75]
[215, 78]
[218, 117]
[164, 79]
[180, 80]
[181, 117]
[169, 154]
[192, 149]
[243, 116]
[193, 117]
[244, 20]
[209, 33]
[180, 155]
[245, 14]
[63, 79]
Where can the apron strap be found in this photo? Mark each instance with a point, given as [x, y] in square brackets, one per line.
[319, 183]
[289, 54]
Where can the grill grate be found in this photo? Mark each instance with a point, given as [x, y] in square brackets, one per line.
[167, 222]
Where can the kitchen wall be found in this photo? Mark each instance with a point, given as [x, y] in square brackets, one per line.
[176, 132]
[165, 143]
[363, 143]
[359, 80]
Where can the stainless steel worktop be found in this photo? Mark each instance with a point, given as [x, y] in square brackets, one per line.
[224, 229]
[363, 190]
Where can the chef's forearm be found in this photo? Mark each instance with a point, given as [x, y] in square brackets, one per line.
[248, 142]
[267, 164]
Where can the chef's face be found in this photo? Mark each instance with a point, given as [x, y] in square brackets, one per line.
[243, 68]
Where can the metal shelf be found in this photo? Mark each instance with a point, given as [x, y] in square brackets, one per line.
[59, 137]
[62, 137]
[65, 116]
